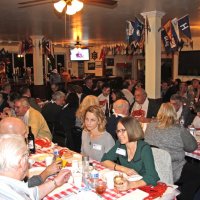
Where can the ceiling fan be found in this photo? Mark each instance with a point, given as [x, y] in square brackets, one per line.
[77, 44]
[32, 3]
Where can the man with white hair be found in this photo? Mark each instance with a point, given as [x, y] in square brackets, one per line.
[14, 125]
[52, 109]
[33, 118]
[13, 168]
[120, 109]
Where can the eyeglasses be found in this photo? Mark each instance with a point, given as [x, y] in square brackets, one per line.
[121, 131]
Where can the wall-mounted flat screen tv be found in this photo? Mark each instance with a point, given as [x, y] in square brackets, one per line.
[79, 54]
[189, 63]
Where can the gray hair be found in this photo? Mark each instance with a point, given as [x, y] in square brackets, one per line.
[11, 151]
[58, 95]
[24, 102]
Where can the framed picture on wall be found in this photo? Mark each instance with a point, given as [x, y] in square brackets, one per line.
[110, 61]
[91, 66]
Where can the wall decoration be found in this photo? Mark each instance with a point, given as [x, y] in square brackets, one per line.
[94, 55]
[110, 61]
[91, 66]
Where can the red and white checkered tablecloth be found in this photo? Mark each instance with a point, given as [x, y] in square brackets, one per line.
[108, 194]
[195, 154]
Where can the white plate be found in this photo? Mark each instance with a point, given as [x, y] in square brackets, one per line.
[35, 171]
[40, 157]
[83, 195]
[136, 177]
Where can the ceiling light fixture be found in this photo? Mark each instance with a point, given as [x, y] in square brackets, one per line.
[70, 6]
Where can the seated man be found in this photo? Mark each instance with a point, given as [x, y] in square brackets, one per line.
[33, 118]
[120, 109]
[26, 93]
[183, 112]
[52, 109]
[144, 109]
[13, 125]
[14, 167]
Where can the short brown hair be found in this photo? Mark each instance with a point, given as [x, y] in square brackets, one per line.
[133, 128]
[97, 111]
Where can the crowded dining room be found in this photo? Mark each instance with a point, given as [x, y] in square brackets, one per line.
[99, 100]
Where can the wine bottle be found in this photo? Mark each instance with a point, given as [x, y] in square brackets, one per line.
[107, 111]
[31, 141]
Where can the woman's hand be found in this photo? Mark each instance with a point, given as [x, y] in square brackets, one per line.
[127, 170]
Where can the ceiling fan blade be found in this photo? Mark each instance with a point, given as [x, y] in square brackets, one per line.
[35, 4]
[31, 1]
[104, 2]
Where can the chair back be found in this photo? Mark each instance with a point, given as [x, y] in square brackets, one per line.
[163, 165]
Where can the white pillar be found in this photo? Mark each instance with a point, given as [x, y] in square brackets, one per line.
[37, 60]
[153, 53]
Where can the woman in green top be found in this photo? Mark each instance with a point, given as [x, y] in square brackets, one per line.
[131, 154]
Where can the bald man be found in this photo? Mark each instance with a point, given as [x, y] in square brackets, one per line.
[120, 109]
[14, 125]
[144, 108]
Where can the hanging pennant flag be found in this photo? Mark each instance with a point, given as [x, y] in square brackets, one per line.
[130, 31]
[184, 26]
[138, 28]
[170, 31]
[176, 29]
[166, 41]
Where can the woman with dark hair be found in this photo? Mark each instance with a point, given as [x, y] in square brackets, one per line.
[95, 139]
[117, 94]
[131, 155]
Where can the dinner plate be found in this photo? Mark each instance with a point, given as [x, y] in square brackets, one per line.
[40, 157]
[35, 171]
[83, 195]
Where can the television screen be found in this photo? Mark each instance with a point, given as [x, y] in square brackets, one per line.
[79, 54]
[189, 63]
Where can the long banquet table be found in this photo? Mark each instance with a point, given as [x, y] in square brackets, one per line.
[68, 189]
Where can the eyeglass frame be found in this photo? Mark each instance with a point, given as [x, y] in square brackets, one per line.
[123, 130]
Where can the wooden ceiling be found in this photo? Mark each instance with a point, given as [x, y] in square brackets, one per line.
[94, 25]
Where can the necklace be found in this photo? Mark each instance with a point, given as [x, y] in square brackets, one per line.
[93, 136]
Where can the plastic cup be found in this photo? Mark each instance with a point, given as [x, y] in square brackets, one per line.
[77, 178]
[109, 176]
[48, 160]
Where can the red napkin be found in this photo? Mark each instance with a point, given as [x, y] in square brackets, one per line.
[154, 191]
[43, 142]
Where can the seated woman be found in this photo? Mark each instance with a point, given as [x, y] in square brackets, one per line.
[168, 135]
[131, 155]
[95, 140]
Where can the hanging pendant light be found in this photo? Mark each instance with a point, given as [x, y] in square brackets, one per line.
[59, 6]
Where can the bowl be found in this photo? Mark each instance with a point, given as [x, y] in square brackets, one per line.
[100, 187]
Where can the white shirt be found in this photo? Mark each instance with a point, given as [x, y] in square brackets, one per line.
[103, 99]
[143, 107]
[25, 117]
[14, 189]
[179, 112]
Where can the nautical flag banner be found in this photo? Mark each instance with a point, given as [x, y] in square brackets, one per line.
[168, 29]
[138, 29]
[184, 26]
[166, 41]
[130, 27]
[176, 29]
[174, 40]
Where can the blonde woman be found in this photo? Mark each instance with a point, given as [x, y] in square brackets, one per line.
[95, 140]
[168, 135]
[88, 101]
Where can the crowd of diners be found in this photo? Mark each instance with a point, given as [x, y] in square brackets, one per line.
[111, 122]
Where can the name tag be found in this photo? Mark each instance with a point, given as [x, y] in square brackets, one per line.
[121, 151]
[97, 147]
